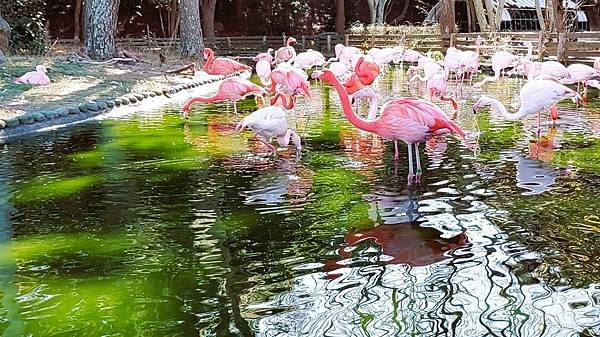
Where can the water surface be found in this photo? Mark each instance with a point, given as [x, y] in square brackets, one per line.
[153, 226]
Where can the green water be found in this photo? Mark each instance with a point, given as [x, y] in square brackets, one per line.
[147, 225]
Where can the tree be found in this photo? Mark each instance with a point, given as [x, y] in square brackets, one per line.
[447, 18]
[480, 14]
[499, 11]
[560, 24]
[4, 34]
[190, 29]
[208, 17]
[377, 9]
[538, 10]
[592, 11]
[101, 28]
[77, 20]
[489, 7]
[340, 17]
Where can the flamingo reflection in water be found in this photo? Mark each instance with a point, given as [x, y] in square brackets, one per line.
[397, 239]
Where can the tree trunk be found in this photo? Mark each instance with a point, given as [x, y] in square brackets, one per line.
[550, 16]
[208, 17]
[499, 11]
[540, 15]
[4, 34]
[446, 18]
[101, 28]
[489, 7]
[340, 17]
[559, 23]
[402, 15]
[173, 18]
[593, 15]
[372, 10]
[77, 20]
[190, 29]
[239, 6]
[480, 13]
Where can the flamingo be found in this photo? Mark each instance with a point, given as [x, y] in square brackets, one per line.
[37, 77]
[270, 122]
[221, 65]
[468, 63]
[353, 84]
[294, 80]
[408, 119]
[536, 95]
[345, 54]
[436, 83]
[263, 70]
[309, 59]
[367, 71]
[452, 61]
[264, 56]
[502, 60]
[580, 73]
[231, 89]
[286, 53]
[382, 56]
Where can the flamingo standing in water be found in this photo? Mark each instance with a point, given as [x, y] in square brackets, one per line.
[286, 53]
[536, 95]
[407, 119]
[221, 65]
[231, 89]
[580, 73]
[469, 62]
[268, 123]
[366, 70]
[37, 77]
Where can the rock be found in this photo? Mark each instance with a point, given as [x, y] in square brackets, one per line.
[4, 34]
[26, 118]
[159, 92]
[152, 94]
[62, 112]
[110, 104]
[145, 94]
[2, 57]
[139, 97]
[51, 114]
[2, 124]
[118, 101]
[166, 92]
[38, 117]
[102, 105]
[12, 122]
[132, 99]
[124, 101]
[92, 106]
[74, 110]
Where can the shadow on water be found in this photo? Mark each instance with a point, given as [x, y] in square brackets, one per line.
[155, 226]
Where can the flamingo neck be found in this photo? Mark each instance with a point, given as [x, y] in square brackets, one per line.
[498, 106]
[189, 103]
[209, 61]
[347, 107]
[373, 107]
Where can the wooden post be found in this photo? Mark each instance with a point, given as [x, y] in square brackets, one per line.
[329, 43]
[303, 42]
[541, 42]
[561, 51]
[264, 42]
[283, 39]
[347, 40]
[229, 43]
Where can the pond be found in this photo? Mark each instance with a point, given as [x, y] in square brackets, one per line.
[148, 225]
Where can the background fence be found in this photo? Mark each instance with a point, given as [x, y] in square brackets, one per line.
[582, 46]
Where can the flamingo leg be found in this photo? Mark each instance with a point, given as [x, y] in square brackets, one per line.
[396, 154]
[585, 92]
[234, 107]
[307, 111]
[269, 145]
[419, 170]
[410, 165]
[539, 127]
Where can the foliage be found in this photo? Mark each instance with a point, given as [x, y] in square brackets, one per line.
[27, 19]
[359, 28]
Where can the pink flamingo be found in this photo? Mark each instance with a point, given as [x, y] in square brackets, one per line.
[408, 119]
[294, 80]
[37, 77]
[345, 54]
[263, 71]
[597, 64]
[268, 123]
[353, 84]
[452, 61]
[468, 63]
[436, 86]
[221, 65]
[367, 71]
[536, 95]
[502, 60]
[286, 53]
[580, 73]
[308, 59]
[264, 56]
[231, 89]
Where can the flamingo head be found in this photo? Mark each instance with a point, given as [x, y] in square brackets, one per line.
[290, 40]
[239, 126]
[482, 102]
[367, 92]
[207, 53]
[324, 75]
[303, 89]
[41, 69]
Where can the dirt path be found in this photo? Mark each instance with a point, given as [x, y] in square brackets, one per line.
[74, 82]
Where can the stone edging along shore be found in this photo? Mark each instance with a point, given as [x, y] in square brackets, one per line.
[35, 120]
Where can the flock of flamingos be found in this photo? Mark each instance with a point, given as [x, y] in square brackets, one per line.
[353, 73]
